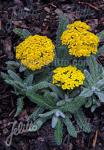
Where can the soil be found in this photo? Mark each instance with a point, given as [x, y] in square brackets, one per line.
[41, 17]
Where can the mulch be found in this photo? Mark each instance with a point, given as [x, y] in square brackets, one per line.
[41, 17]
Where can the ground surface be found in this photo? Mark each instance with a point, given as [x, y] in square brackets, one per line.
[41, 16]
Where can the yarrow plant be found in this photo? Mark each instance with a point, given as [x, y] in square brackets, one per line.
[68, 77]
[35, 52]
[59, 92]
[79, 40]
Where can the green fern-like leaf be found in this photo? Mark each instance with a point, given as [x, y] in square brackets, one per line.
[82, 121]
[5, 76]
[51, 98]
[70, 127]
[58, 91]
[73, 105]
[100, 50]
[95, 68]
[62, 57]
[29, 79]
[15, 84]
[23, 33]
[14, 76]
[41, 85]
[39, 100]
[63, 21]
[36, 112]
[58, 132]
[20, 105]
[101, 35]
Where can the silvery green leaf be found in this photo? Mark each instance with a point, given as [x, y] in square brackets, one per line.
[11, 82]
[74, 105]
[94, 88]
[14, 76]
[20, 84]
[101, 35]
[70, 127]
[13, 63]
[93, 66]
[54, 121]
[20, 105]
[50, 96]
[82, 121]
[53, 94]
[88, 104]
[58, 91]
[103, 72]
[69, 115]
[49, 113]
[66, 96]
[23, 33]
[5, 76]
[28, 87]
[59, 113]
[60, 103]
[22, 68]
[68, 100]
[41, 85]
[100, 96]
[101, 50]
[95, 69]
[58, 132]
[100, 83]
[94, 100]
[86, 92]
[36, 113]
[62, 114]
[89, 79]
[98, 103]
[63, 21]
[40, 100]
[29, 79]
[93, 108]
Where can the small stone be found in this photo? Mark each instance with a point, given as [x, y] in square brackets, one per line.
[47, 16]
[45, 19]
[5, 131]
[4, 121]
[26, 9]
[37, 29]
[47, 9]
[59, 11]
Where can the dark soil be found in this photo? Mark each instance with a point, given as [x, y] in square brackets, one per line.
[41, 16]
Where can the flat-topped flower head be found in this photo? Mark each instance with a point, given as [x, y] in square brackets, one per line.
[79, 40]
[35, 52]
[68, 77]
[79, 26]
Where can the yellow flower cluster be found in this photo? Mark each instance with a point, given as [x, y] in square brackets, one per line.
[68, 77]
[35, 52]
[79, 40]
[78, 25]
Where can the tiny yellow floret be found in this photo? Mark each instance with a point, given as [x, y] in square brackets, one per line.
[35, 52]
[79, 40]
[68, 77]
